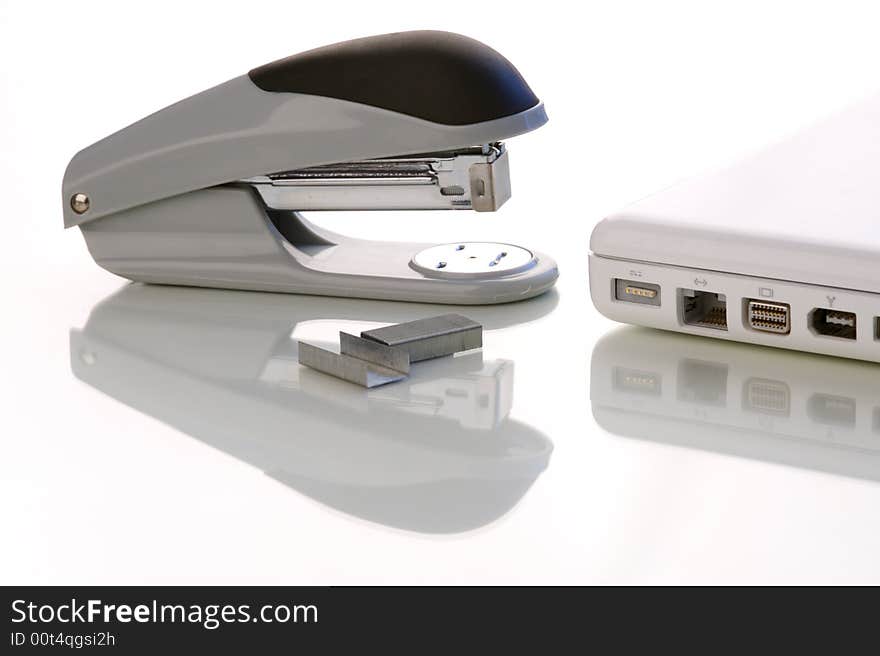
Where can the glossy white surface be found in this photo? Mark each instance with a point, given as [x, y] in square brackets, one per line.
[168, 483]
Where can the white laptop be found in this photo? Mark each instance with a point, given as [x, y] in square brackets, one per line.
[782, 249]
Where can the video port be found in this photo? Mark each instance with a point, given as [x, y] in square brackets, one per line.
[768, 317]
[769, 397]
[833, 323]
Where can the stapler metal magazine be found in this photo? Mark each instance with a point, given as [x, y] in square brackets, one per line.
[209, 191]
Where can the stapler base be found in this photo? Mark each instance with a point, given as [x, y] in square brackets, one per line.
[226, 237]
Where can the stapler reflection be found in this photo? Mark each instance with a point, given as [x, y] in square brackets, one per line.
[801, 410]
[436, 453]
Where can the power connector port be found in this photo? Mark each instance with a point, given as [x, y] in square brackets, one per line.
[645, 293]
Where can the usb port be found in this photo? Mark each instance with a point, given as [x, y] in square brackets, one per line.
[832, 410]
[704, 309]
[833, 323]
[645, 293]
[768, 317]
[769, 397]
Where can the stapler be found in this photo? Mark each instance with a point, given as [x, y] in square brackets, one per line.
[210, 191]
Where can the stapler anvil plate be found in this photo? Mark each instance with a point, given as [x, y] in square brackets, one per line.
[209, 191]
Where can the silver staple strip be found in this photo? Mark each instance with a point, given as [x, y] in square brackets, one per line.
[391, 357]
[430, 338]
[347, 367]
[383, 355]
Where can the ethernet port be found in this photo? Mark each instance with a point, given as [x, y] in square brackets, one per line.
[833, 323]
[704, 309]
[702, 383]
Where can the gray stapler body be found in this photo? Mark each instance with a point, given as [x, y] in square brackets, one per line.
[209, 191]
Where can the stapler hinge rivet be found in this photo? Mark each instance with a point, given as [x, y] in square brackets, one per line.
[80, 203]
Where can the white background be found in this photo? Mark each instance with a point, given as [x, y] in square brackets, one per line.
[639, 95]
